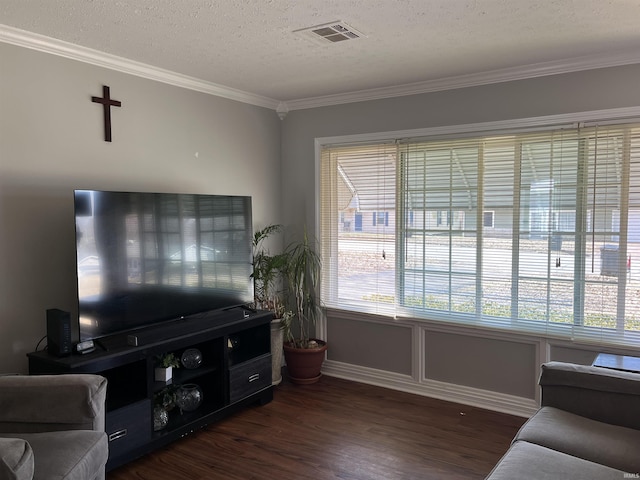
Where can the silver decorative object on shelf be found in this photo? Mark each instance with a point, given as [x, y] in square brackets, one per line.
[191, 358]
[189, 397]
[160, 418]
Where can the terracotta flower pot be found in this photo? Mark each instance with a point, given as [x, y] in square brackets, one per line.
[304, 364]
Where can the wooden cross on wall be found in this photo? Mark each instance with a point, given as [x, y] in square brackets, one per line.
[107, 103]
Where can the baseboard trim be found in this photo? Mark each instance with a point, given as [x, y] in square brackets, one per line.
[499, 402]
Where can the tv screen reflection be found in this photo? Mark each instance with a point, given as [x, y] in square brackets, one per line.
[144, 258]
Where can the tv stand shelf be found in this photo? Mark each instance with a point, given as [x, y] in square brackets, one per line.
[235, 371]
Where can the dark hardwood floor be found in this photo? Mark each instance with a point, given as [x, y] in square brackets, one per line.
[337, 429]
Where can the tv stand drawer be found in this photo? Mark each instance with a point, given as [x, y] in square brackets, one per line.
[249, 377]
[128, 427]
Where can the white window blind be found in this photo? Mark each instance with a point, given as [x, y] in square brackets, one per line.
[358, 224]
[404, 230]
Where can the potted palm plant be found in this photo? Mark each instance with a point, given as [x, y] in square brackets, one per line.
[303, 353]
[267, 274]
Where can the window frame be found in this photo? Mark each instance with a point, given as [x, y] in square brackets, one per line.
[602, 117]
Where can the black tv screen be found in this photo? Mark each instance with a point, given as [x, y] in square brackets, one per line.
[146, 258]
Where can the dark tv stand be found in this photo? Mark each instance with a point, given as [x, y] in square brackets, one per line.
[235, 372]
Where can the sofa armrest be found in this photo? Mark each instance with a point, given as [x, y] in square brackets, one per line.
[43, 403]
[602, 394]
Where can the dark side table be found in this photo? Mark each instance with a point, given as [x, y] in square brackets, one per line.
[624, 363]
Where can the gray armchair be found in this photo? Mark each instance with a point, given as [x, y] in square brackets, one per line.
[53, 427]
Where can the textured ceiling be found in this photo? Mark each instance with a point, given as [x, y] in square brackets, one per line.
[249, 45]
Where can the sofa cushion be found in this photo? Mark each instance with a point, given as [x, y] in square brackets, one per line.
[68, 455]
[610, 445]
[534, 462]
[39, 403]
[16, 459]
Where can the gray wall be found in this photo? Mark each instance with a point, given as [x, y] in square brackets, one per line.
[450, 357]
[165, 139]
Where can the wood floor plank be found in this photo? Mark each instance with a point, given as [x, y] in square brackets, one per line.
[337, 429]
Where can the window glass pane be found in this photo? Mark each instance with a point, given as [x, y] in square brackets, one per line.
[605, 259]
[498, 188]
[441, 189]
[359, 253]
[632, 288]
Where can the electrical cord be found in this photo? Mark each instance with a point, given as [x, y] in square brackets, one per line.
[45, 347]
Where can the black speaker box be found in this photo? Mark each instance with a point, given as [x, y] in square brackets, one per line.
[58, 332]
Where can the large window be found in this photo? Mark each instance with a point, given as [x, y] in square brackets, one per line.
[537, 231]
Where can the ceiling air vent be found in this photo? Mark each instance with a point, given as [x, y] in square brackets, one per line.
[332, 32]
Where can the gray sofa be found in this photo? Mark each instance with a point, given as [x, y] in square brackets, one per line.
[52, 427]
[587, 428]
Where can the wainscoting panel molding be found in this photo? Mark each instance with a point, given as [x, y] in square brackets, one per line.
[499, 402]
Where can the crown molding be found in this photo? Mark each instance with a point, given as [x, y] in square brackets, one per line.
[72, 51]
[476, 79]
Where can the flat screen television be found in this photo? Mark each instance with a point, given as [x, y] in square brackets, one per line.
[148, 258]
